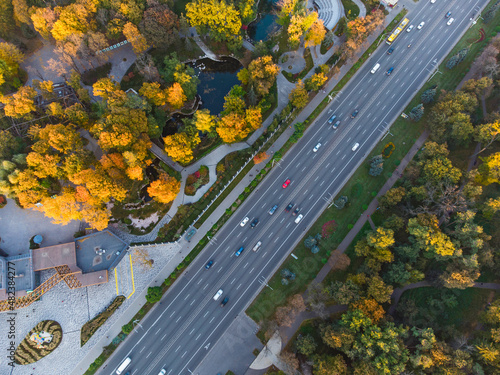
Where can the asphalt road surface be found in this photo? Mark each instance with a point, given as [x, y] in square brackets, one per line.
[180, 332]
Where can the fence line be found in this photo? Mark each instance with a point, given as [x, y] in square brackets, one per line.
[236, 175]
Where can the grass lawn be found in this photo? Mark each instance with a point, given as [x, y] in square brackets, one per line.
[351, 9]
[470, 303]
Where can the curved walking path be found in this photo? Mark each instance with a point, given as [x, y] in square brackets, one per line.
[362, 8]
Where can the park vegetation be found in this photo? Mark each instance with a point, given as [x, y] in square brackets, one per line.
[437, 230]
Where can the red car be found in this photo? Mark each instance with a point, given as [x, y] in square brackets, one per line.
[287, 182]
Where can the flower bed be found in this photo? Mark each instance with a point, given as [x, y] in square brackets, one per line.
[30, 351]
[388, 150]
[196, 180]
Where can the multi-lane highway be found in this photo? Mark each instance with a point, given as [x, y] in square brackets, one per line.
[178, 334]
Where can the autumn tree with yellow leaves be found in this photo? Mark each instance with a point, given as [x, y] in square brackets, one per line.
[180, 146]
[261, 74]
[165, 189]
[221, 19]
[21, 104]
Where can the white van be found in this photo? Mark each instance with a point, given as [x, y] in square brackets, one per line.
[375, 68]
[218, 294]
[257, 245]
[123, 366]
[355, 147]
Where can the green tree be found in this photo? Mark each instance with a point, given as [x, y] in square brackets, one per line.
[305, 345]
[329, 365]
[382, 345]
[344, 293]
[9, 145]
[6, 17]
[154, 294]
[378, 290]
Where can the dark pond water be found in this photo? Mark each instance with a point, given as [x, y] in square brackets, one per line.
[216, 80]
[265, 25]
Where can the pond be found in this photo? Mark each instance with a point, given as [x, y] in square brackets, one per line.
[265, 25]
[216, 80]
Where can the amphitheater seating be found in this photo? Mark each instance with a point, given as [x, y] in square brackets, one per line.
[329, 11]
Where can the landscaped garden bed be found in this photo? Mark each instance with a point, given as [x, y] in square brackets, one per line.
[196, 180]
[42, 340]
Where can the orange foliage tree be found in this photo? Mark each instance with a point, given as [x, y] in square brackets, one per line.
[175, 96]
[165, 189]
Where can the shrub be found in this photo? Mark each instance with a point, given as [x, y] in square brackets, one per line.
[328, 228]
[203, 171]
[89, 328]
[191, 179]
[189, 190]
[127, 328]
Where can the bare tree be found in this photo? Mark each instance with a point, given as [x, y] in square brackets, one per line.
[284, 316]
[58, 67]
[442, 201]
[147, 68]
[140, 256]
[290, 362]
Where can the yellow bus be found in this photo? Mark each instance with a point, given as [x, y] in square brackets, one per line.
[398, 31]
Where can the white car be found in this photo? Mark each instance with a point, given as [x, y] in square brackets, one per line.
[257, 246]
[433, 1]
[245, 220]
[218, 294]
[162, 372]
[410, 28]
[316, 148]
[299, 218]
[450, 21]
[421, 25]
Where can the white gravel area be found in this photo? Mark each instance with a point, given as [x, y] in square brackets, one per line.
[71, 309]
